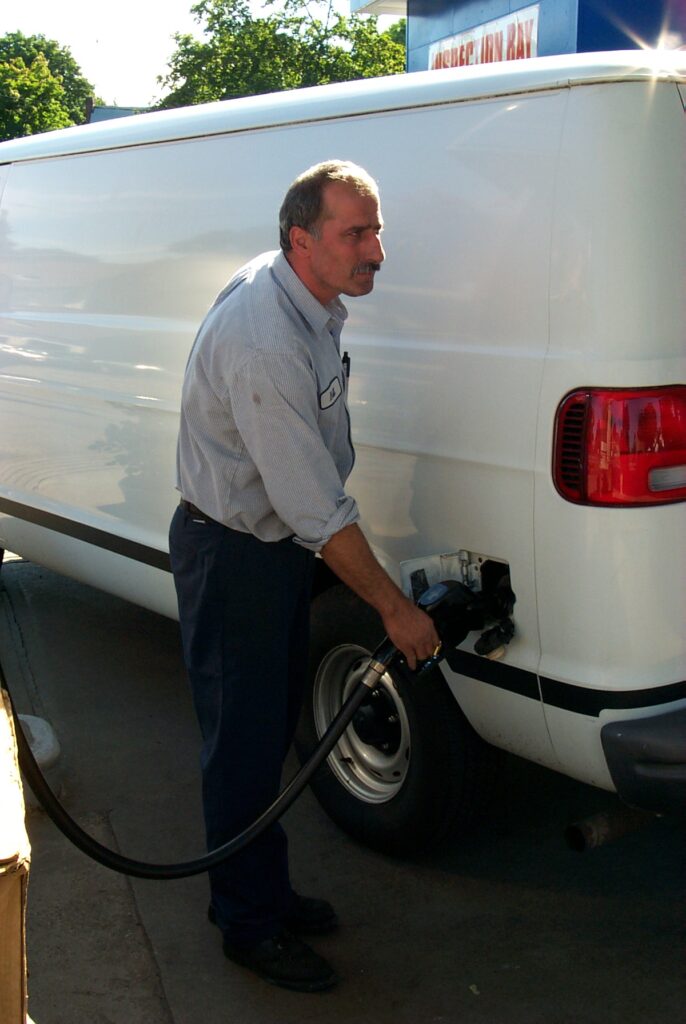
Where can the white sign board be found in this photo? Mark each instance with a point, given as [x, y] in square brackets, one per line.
[512, 37]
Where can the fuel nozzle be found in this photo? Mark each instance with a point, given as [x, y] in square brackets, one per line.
[451, 605]
[456, 611]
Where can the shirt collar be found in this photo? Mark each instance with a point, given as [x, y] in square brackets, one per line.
[317, 315]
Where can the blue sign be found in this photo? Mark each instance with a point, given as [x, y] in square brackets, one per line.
[449, 33]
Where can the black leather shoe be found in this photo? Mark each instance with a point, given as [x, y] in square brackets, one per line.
[286, 961]
[308, 917]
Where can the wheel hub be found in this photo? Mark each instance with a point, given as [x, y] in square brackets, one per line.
[372, 756]
[377, 723]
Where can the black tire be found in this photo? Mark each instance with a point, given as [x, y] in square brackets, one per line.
[399, 786]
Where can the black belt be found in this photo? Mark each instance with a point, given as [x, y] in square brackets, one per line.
[197, 513]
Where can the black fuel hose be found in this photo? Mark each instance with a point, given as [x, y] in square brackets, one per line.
[141, 869]
[449, 603]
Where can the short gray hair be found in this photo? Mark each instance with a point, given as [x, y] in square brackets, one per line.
[303, 203]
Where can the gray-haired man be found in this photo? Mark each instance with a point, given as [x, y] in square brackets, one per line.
[264, 452]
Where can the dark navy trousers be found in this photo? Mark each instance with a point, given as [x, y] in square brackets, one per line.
[244, 614]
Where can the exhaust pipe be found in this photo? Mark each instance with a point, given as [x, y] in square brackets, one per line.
[605, 827]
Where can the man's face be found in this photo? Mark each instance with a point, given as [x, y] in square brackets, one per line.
[345, 256]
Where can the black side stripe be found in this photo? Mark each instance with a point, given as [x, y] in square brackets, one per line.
[554, 693]
[578, 699]
[497, 673]
[88, 534]
[591, 702]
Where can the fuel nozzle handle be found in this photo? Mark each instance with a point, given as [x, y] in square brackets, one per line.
[455, 612]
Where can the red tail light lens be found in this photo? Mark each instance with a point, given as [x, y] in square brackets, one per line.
[621, 447]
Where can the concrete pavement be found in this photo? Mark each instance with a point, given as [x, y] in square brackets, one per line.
[506, 927]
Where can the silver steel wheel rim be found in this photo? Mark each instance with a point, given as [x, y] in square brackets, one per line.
[371, 775]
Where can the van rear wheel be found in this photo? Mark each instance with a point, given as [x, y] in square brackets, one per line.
[403, 774]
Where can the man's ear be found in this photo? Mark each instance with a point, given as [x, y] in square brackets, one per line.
[301, 241]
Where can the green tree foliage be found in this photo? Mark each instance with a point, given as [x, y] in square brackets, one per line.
[41, 86]
[398, 32]
[294, 44]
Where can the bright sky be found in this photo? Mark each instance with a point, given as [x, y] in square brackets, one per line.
[121, 46]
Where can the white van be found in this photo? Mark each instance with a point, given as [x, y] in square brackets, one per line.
[518, 396]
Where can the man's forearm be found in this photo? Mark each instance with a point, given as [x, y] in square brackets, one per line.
[348, 554]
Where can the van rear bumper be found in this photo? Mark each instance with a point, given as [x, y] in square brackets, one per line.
[647, 760]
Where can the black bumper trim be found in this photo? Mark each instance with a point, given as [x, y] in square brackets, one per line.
[647, 760]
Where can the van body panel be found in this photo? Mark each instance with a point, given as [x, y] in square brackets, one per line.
[618, 319]
[506, 719]
[535, 237]
[618, 248]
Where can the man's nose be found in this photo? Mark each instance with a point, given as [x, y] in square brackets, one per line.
[376, 252]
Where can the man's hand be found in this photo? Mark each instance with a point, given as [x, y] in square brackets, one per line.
[411, 630]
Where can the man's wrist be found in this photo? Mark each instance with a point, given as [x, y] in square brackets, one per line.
[389, 599]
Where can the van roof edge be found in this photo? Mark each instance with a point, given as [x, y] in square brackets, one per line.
[349, 99]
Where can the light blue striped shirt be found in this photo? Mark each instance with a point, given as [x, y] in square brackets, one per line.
[264, 442]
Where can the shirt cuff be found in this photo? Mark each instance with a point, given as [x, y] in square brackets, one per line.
[346, 514]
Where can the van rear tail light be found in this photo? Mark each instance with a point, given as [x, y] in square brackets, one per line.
[621, 447]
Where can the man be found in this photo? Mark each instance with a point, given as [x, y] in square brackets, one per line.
[264, 451]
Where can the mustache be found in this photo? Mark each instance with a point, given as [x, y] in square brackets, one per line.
[365, 268]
